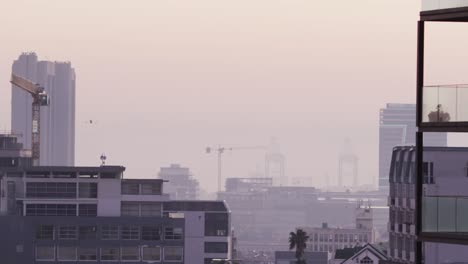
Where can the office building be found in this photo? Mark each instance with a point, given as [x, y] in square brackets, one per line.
[12, 153]
[180, 182]
[445, 198]
[92, 214]
[57, 119]
[398, 128]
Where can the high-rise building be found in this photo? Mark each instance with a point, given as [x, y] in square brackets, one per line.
[398, 128]
[180, 183]
[57, 119]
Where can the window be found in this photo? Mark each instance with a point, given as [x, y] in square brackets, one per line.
[110, 253]
[45, 232]
[51, 209]
[216, 224]
[45, 253]
[68, 232]
[110, 232]
[87, 190]
[130, 188]
[50, 190]
[173, 233]
[130, 253]
[87, 210]
[151, 188]
[150, 233]
[87, 253]
[366, 260]
[66, 253]
[130, 233]
[216, 247]
[428, 172]
[151, 253]
[153, 209]
[130, 209]
[87, 232]
[173, 253]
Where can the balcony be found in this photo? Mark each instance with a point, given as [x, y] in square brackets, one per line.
[445, 215]
[428, 5]
[444, 106]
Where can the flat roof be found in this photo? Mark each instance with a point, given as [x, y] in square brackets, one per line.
[65, 169]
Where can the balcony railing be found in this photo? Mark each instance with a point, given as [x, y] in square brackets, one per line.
[442, 4]
[445, 103]
[445, 214]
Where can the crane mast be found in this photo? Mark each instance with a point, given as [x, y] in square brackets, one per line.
[40, 98]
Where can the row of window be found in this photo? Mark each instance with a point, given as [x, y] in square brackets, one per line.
[61, 190]
[108, 232]
[339, 237]
[147, 188]
[141, 209]
[129, 253]
[61, 210]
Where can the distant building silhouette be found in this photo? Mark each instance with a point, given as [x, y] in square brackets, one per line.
[57, 119]
[181, 185]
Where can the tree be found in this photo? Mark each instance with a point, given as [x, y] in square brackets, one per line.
[298, 240]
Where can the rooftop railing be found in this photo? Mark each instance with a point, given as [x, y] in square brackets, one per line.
[445, 103]
[428, 5]
[445, 214]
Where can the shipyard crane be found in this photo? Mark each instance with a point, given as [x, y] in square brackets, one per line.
[40, 98]
[220, 150]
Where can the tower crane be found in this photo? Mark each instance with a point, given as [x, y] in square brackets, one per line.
[40, 98]
[220, 150]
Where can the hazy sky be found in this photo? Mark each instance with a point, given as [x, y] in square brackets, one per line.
[165, 78]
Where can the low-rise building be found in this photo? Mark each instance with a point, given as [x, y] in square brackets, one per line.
[180, 183]
[289, 257]
[93, 214]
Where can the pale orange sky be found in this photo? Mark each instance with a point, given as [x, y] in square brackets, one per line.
[165, 78]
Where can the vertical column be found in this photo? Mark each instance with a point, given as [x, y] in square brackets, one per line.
[420, 73]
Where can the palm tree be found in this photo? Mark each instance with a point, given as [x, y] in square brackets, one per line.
[298, 240]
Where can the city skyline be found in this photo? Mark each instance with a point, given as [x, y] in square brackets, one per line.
[251, 71]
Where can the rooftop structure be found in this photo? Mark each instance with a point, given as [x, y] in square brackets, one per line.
[180, 183]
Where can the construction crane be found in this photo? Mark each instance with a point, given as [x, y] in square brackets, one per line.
[220, 150]
[40, 98]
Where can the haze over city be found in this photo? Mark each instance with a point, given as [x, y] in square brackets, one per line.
[164, 79]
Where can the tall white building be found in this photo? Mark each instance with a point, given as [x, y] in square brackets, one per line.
[57, 119]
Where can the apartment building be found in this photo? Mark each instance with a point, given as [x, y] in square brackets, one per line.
[443, 203]
[93, 214]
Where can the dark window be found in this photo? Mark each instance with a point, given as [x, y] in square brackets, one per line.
[428, 172]
[130, 253]
[130, 188]
[68, 232]
[87, 190]
[87, 253]
[151, 209]
[45, 232]
[216, 247]
[110, 253]
[173, 233]
[216, 224]
[151, 188]
[150, 233]
[152, 253]
[110, 232]
[87, 232]
[129, 209]
[51, 209]
[50, 190]
[87, 210]
[130, 233]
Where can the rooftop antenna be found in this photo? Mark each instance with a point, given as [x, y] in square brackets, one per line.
[103, 159]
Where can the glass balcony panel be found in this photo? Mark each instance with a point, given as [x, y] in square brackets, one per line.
[447, 214]
[462, 215]
[442, 4]
[429, 212]
[445, 103]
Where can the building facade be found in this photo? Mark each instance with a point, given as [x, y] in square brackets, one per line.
[181, 185]
[57, 119]
[75, 214]
[444, 175]
[397, 128]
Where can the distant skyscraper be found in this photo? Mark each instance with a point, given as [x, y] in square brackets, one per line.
[397, 128]
[57, 119]
[181, 185]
